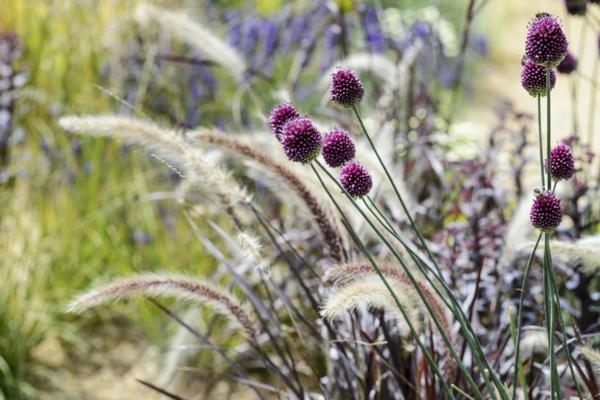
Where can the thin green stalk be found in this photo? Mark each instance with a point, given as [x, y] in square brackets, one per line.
[541, 146]
[520, 316]
[417, 288]
[548, 128]
[550, 323]
[421, 238]
[363, 248]
[521, 373]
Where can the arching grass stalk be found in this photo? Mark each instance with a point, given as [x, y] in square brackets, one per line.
[499, 387]
[437, 271]
[520, 315]
[363, 248]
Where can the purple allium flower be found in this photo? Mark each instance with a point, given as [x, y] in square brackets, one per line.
[546, 43]
[533, 78]
[338, 148]
[576, 7]
[356, 179]
[301, 140]
[563, 164]
[346, 88]
[568, 64]
[279, 116]
[545, 213]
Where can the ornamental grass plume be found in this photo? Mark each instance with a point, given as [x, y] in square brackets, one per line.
[562, 162]
[346, 88]
[301, 140]
[338, 148]
[356, 179]
[279, 116]
[568, 65]
[545, 213]
[533, 78]
[546, 43]
[158, 286]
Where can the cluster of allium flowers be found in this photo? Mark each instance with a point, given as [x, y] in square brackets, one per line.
[301, 140]
[279, 116]
[576, 7]
[546, 43]
[356, 180]
[563, 164]
[568, 64]
[338, 148]
[545, 213]
[533, 78]
[346, 88]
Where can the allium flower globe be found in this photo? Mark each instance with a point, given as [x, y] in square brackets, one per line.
[338, 148]
[563, 164]
[546, 43]
[533, 78]
[346, 88]
[568, 64]
[301, 140]
[279, 116]
[356, 179]
[545, 213]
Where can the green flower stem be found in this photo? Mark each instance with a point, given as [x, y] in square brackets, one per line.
[519, 371]
[548, 128]
[363, 248]
[520, 317]
[418, 289]
[541, 146]
[549, 308]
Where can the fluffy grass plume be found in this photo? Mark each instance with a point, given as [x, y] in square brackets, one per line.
[182, 27]
[158, 286]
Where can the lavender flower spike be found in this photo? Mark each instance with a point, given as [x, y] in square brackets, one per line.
[301, 140]
[356, 179]
[338, 148]
[546, 43]
[346, 88]
[545, 213]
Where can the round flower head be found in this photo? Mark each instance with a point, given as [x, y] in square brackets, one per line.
[338, 148]
[568, 64]
[533, 78]
[576, 7]
[545, 213]
[346, 88]
[279, 116]
[546, 43]
[356, 179]
[301, 140]
[563, 164]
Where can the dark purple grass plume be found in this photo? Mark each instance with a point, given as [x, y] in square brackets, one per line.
[338, 148]
[279, 116]
[545, 213]
[301, 140]
[356, 179]
[563, 164]
[568, 64]
[546, 43]
[533, 78]
[346, 88]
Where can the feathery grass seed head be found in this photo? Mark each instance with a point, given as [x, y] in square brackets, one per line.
[338, 148]
[545, 213]
[346, 88]
[356, 179]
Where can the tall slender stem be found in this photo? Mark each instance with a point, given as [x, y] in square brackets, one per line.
[548, 128]
[541, 146]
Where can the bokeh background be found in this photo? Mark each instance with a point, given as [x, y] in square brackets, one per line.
[75, 212]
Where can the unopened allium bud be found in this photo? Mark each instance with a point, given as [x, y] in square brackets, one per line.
[546, 43]
[301, 140]
[356, 179]
[568, 64]
[545, 213]
[338, 148]
[533, 78]
[563, 164]
[346, 88]
[576, 7]
[279, 116]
